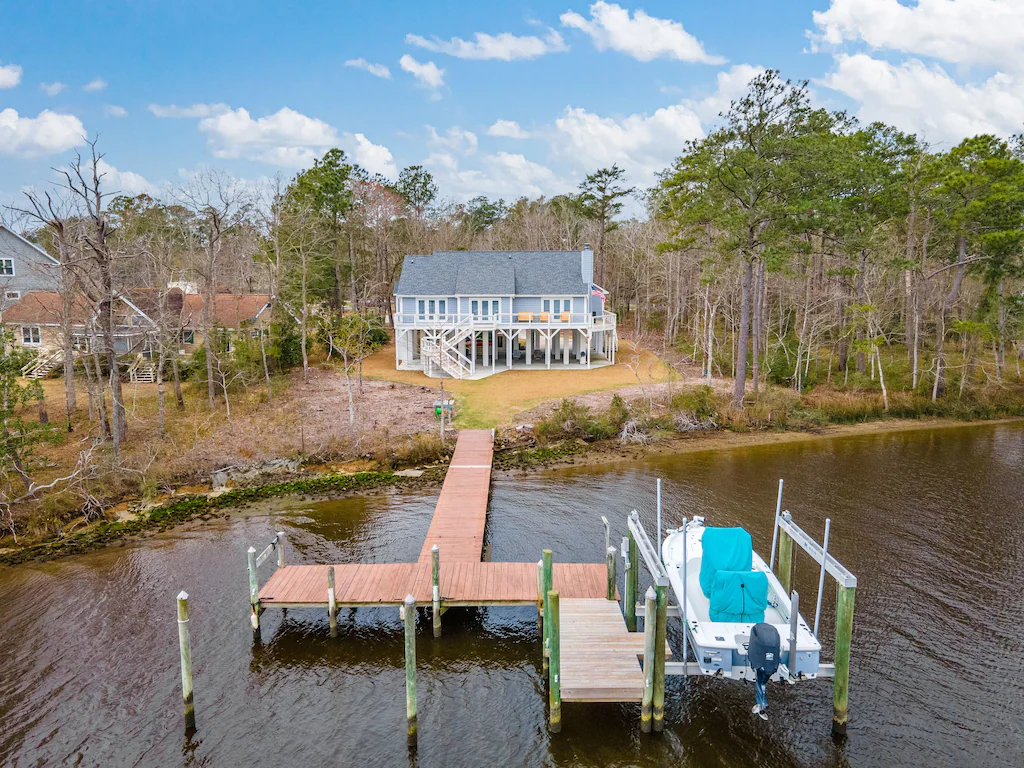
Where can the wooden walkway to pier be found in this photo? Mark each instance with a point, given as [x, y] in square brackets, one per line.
[600, 657]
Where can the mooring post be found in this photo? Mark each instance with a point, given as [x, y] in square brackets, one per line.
[254, 591]
[185, 646]
[435, 583]
[661, 592]
[650, 629]
[548, 582]
[332, 602]
[555, 666]
[844, 635]
[632, 581]
[280, 549]
[794, 626]
[410, 669]
[540, 599]
[611, 573]
[785, 573]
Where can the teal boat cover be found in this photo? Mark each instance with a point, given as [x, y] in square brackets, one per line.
[739, 596]
[725, 549]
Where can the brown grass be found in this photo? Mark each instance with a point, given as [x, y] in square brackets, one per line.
[498, 400]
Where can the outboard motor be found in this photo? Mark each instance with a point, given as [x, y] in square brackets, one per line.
[763, 652]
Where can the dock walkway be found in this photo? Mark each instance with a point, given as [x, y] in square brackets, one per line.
[600, 657]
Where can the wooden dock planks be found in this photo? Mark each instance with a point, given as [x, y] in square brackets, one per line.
[462, 584]
[460, 517]
[599, 656]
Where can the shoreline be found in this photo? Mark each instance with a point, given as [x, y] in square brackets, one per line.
[181, 508]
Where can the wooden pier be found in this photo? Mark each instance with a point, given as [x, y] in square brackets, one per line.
[600, 658]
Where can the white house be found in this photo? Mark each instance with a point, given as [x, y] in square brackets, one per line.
[469, 314]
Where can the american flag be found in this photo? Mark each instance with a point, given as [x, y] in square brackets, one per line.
[595, 291]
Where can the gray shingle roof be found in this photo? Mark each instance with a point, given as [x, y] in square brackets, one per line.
[492, 273]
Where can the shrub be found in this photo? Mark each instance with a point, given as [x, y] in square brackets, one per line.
[570, 419]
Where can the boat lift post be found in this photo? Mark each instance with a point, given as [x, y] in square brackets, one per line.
[846, 593]
[658, 540]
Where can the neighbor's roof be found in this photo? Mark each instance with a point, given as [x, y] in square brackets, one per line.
[44, 308]
[231, 310]
[492, 273]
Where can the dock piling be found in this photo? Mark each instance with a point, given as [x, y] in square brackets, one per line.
[555, 666]
[435, 585]
[650, 630]
[332, 603]
[548, 580]
[844, 634]
[254, 591]
[185, 646]
[540, 598]
[280, 549]
[661, 592]
[794, 624]
[785, 573]
[610, 555]
[410, 669]
[632, 580]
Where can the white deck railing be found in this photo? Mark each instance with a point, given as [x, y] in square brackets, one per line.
[602, 322]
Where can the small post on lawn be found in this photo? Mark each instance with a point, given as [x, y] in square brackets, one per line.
[540, 598]
[548, 581]
[254, 591]
[785, 573]
[435, 586]
[442, 407]
[650, 629]
[409, 616]
[332, 602]
[555, 668]
[279, 546]
[185, 646]
[632, 581]
[844, 636]
[610, 561]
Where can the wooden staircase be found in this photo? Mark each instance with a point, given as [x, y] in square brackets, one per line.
[44, 365]
[143, 369]
[444, 354]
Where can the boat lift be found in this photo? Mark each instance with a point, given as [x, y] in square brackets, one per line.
[785, 533]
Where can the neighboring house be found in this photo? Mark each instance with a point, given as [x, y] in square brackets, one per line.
[24, 267]
[36, 322]
[473, 313]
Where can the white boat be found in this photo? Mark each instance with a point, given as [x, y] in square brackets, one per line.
[720, 646]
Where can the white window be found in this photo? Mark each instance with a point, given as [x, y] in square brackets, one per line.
[476, 308]
[12, 295]
[440, 306]
[7, 267]
[432, 307]
[30, 334]
[422, 305]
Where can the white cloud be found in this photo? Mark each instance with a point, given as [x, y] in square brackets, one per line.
[97, 84]
[52, 89]
[47, 134]
[502, 174]
[916, 97]
[112, 110]
[731, 85]
[379, 70]
[376, 158]
[123, 182]
[196, 110]
[643, 37]
[286, 137]
[10, 75]
[428, 74]
[641, 144]
[455, 140]
[508, 129]
[985, 32]
[504, 46]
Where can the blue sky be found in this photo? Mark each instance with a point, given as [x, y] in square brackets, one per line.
[499, 99]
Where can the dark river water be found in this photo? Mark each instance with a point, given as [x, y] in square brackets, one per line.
[932, 523]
